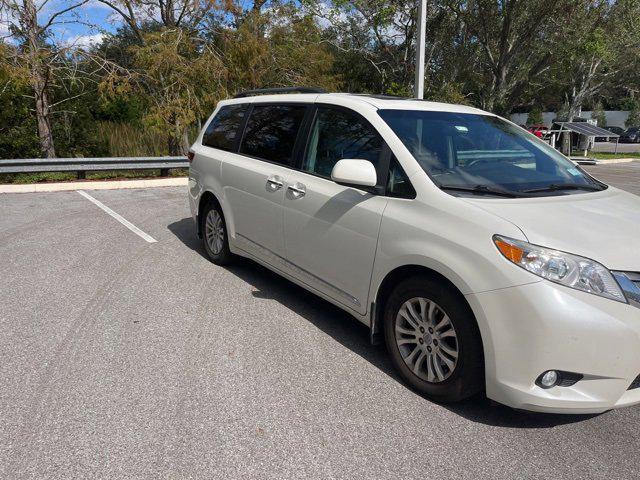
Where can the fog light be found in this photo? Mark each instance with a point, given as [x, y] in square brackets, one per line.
[549, 379]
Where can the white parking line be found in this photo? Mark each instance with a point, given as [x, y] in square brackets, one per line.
[118, 217]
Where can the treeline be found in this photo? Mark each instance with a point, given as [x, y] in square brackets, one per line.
[146, 89]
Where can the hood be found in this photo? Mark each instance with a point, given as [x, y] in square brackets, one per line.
[603, 226]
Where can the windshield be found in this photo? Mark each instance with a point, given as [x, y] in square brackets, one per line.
[483, 154]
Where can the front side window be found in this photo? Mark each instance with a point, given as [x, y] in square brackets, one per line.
[482, 154]
[271, 132]
[339, 134]
[223, 130]
[398, 183]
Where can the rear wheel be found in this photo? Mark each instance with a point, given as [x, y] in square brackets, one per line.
[433, 339]
[214, 235]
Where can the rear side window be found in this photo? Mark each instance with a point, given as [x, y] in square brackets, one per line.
[271, 132]
[222, 132]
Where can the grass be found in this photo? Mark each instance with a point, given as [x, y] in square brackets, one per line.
[123, 140]
[606, 156]
[45, 177]
[129, 140]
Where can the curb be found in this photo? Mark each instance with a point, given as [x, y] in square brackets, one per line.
[615, 160]
[93, 185]
[607, 161]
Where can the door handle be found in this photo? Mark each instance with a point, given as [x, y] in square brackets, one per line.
[298, 190]
[274, 182]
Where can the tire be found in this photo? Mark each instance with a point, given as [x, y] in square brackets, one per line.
[433, 376]
[214, 235]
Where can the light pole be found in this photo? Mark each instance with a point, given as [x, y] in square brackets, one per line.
[420, 53]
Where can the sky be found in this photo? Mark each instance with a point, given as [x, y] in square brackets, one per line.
[96, 19]
[82, 27]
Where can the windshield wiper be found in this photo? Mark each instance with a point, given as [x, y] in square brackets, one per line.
[481, 190]
[564, 186]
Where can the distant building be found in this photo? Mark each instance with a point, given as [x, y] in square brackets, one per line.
[615, 118]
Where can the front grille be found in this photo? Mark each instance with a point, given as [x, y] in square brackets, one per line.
[635, 383]
[568, 379]
[630, 284]
[634, 277]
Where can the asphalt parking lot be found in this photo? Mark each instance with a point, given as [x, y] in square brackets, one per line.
[622, 175]
[125, 358]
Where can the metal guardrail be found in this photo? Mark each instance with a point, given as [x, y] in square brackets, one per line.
[82, 165]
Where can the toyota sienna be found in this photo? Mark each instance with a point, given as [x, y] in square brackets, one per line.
[483, 258]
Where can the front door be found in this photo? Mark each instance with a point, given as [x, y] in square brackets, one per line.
[331, 231]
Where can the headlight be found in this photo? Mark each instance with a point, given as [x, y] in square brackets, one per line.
[564, 268]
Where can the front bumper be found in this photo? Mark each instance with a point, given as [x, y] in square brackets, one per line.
[541, 326]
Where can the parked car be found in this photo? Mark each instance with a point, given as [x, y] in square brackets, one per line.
[617, 130]
[539, 130]
[485, 260]
[631, 135]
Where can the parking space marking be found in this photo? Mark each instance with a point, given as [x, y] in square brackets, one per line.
[118, 217]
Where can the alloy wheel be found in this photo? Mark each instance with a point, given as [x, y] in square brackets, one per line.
[426, 339]
[214, 231]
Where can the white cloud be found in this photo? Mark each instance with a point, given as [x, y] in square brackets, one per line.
[84, 41]
[6, 18]
[97, 5]
[327, 16]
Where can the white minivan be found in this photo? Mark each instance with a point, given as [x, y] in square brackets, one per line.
[483, 258]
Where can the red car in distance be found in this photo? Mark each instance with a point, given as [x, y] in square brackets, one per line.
[539, 130]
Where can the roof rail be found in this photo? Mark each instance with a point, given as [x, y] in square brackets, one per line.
[264, 91]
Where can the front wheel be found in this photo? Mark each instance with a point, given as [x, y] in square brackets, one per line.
[433, 339]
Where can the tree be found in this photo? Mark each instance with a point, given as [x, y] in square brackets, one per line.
[599, 39]
[598, 114]
[138, 15]
[374, 41]
[281, 48]
[535, 116]
[18, 133]
[633, 120]
[562, 115]
[38, 57]
[583, 54]
[625, 82]
[501, 55]
[515, 40]
[168, 71]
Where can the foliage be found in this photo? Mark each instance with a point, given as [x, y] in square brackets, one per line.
[147, 88]
[627, 103]
[608, 156]
[292, 53]
[372, 41]
[98, 175]
[18, 133]
[535, 116]
[126, 139]
[562, 115]
[634, 116]
[120, 107]
[516, 40]
[168, 69]
[598, 114]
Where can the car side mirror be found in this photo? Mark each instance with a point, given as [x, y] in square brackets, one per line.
[354, 173]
